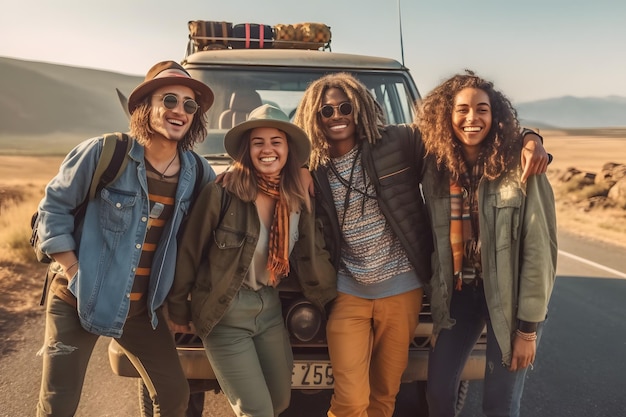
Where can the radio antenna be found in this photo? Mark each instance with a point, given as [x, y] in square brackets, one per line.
[400, 26]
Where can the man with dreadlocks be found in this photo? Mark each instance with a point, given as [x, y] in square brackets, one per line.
[366, 177]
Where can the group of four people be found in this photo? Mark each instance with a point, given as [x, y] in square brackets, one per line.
[455, 205]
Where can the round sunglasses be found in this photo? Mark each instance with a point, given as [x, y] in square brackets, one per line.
[170, 101]
[328, 110]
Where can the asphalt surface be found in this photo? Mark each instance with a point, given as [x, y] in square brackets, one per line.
[579, 370]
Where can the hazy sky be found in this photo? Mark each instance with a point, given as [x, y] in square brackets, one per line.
[531, 49]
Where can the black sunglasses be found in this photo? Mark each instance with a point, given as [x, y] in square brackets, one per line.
[170, 101]
[328, 111]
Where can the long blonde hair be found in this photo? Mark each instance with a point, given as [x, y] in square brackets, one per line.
[368, 115]
[242, 181]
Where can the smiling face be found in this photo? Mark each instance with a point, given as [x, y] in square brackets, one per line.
[471, 119]
[339, 129]
[171, 124]
[269, 150]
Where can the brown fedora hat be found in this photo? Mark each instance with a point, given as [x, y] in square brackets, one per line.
[269, 116]
[170, 73]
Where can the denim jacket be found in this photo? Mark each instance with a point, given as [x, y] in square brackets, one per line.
[519, 249]
[215, 256]
[110, 241]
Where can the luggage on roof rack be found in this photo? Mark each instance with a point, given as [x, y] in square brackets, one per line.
[208, 34]
[307, 35]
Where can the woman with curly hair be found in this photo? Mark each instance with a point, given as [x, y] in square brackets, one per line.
[367, 179]
[495, 243]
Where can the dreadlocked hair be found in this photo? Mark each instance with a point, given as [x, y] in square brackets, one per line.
[500, 147]
[242, 181]
[141, 130]
[368, 115]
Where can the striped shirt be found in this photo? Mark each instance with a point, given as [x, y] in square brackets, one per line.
[161, 192]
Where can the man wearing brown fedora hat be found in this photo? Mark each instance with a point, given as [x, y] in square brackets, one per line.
[116, 268]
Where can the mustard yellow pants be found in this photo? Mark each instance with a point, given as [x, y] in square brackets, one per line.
[368, 342]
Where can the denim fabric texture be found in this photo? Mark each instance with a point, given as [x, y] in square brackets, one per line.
[115, 224]
[502, 388]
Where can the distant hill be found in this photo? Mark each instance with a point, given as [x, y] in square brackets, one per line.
[39, 98]
[574, 112]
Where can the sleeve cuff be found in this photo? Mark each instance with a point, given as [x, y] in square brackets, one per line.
[527, 326]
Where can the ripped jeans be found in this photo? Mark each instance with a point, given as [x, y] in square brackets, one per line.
[502, 392]
[68, 347]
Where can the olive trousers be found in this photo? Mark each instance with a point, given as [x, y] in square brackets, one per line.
[368, 342]
[67, 349]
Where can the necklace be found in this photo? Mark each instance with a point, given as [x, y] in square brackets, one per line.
[162, 174]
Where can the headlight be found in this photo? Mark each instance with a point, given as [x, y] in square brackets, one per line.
[303, 321]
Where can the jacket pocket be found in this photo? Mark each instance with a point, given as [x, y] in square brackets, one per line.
[117, 210]
[228, 239]
[508, 203]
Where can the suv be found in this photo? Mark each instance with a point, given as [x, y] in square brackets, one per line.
[243, 79]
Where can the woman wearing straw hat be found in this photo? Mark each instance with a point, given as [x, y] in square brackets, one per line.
[238, 244]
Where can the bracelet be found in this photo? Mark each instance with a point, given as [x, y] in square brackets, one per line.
[529, 337]
[71, 266]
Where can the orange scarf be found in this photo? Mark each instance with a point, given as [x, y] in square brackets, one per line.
[278, 257]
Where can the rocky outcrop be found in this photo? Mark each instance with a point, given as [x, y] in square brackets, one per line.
[589, 190]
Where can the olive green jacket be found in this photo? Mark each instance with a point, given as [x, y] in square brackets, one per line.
[214, 257]
[518, 250]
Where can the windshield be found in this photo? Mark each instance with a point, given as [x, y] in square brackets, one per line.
[237, 92]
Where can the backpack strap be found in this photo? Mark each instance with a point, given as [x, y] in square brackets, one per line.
[112, 161]
[199, 176]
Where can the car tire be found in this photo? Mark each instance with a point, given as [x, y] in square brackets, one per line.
[194, 407]
[422, 404]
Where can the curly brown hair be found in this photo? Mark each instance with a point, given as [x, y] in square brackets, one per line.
[368, 115]
[434, 119]
[141, 130]
[242, 181]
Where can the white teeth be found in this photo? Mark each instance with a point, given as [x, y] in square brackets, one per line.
[175, 122]
[269, 159]
[472, 129]
[338, 127]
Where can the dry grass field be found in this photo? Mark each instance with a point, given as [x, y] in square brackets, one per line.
[22, 180]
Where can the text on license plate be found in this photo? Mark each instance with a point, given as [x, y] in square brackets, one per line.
[312, 375]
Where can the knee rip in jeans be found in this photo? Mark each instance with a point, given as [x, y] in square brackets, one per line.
[53, 348]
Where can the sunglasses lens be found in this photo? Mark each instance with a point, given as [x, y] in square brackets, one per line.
[170, 101]
[327, 111]
[345, 108]
[190, 106]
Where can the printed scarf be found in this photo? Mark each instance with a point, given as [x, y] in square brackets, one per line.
[278, 258]
[464, 228]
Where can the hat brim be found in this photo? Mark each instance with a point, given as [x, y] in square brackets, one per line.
[204, 95]
[299, 143]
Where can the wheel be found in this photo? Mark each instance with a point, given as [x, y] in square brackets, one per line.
[145, 402]
[422, 404]
[194, 407]
[461, 396]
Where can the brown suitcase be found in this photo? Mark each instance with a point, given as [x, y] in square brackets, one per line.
[207, 34]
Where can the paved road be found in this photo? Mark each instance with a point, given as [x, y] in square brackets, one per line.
[579, 370]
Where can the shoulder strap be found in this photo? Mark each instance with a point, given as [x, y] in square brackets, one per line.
[112, 161]
[199, 176]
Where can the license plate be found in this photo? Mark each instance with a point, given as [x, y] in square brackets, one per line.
[312, 375]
